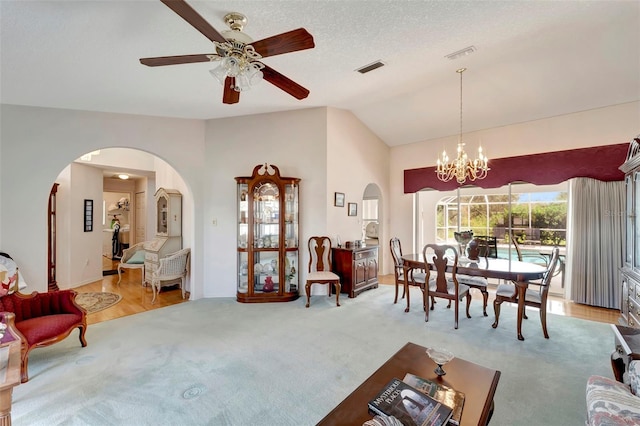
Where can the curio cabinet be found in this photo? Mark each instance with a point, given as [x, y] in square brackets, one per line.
[267, 236]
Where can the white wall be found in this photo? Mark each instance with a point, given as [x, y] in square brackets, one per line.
[329, 149]
[79, 253]
[293, 141]
[38, 143]
[603, 126]
[355, 157]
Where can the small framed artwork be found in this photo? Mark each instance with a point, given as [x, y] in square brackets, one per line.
[338, 200]
[353, 209]
[88, 215]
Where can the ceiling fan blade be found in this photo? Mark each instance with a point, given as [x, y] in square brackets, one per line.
[230, 96]
[291, 41]
[192, 17]
[175, 60]
[284, 83]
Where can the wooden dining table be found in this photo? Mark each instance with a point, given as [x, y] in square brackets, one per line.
[519, 272]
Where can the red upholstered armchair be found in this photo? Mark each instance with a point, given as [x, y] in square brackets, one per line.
[42, 319]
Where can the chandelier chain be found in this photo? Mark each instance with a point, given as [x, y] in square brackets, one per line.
[460, 71]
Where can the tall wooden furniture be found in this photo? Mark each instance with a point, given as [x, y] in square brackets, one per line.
[51, 239]
[168, 237]
[630, 271]
[268, 220]
[357, 268]
[320, 268]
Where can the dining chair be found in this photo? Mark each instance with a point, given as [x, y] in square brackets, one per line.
[487, 246]
[536, 298]
[415, 278]
[475, 249]
[320, 267]
[132, 258]
[443, 283]
[526, 257]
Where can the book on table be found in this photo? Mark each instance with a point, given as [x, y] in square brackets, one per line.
[450, 397]
[409, 405]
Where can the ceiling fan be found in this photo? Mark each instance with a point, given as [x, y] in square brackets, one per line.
[240, 57]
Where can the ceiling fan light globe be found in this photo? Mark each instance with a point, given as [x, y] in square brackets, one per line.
[254, 74]
[220, 73]
[243, 83]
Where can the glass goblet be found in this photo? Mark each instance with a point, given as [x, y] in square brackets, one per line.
[440, 356]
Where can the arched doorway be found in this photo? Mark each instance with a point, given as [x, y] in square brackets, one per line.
[119, 183]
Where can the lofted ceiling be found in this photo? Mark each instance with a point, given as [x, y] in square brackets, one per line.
[533, 59]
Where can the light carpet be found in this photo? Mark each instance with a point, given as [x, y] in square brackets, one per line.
[97, 301]
[220, 362]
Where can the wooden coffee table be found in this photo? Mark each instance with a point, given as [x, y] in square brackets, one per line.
[478, 384]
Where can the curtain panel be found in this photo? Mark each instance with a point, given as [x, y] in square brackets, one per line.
[596, 217]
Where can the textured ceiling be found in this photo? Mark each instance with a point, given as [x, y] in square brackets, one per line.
[534, 59]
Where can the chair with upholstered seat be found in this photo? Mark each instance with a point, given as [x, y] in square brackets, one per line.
[442, 282]
[526, 257]
[536, 298]
[487, 246]
[41, 319]
[132, 258]
[478, 247]
[172, 267]
[320, 267]
[416, 278]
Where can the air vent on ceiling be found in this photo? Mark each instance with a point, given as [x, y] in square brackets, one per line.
[462, 52]
[372, 66]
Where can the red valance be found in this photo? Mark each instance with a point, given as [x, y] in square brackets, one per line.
[600, 162]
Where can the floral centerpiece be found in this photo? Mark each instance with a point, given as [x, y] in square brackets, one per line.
[463, 238]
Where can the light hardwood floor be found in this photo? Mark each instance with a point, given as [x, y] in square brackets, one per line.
[137, 299]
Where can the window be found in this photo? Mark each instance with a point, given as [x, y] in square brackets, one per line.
[537, 215]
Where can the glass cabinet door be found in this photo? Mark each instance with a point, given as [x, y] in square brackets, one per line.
[635, 222]
[291, 215]
[161, 215]
[266, 237]
[629, 223]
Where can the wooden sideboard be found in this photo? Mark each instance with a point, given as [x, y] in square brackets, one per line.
[357, 268]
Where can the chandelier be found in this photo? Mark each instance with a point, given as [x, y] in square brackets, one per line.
[238, 59]
[462, 167]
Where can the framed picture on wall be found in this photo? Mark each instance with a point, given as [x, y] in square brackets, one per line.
[338, 199]
[353, 209]
[88, 215]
